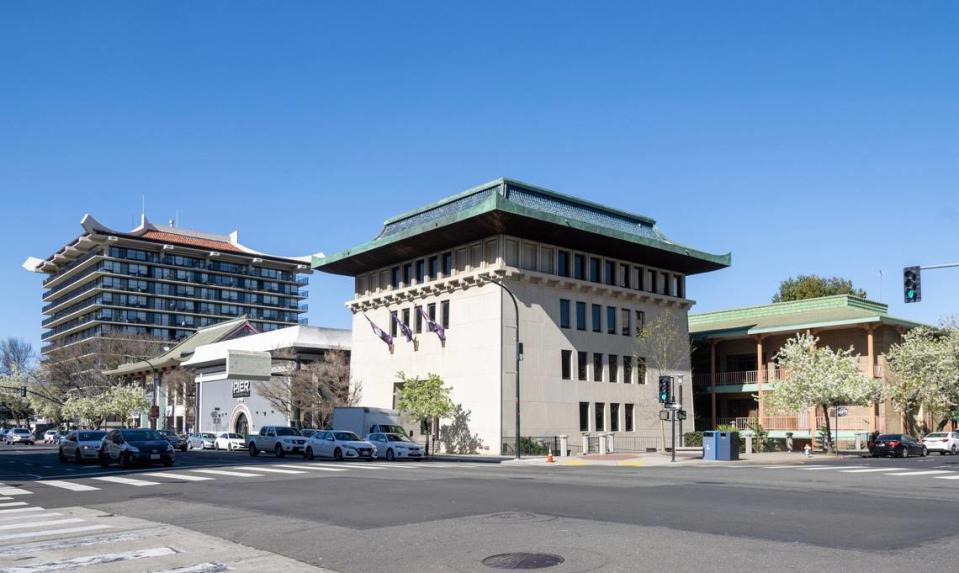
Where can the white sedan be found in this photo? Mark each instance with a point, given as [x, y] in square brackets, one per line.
[229, 441]
[942, 442]
[81, 445]
[395, 446]
[338, 445]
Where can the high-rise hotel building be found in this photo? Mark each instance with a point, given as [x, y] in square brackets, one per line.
[164, 282]
[586, 277]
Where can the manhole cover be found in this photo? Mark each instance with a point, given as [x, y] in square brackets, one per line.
[516, 561]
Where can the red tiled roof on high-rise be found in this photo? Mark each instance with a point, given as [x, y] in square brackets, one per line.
[188, 241]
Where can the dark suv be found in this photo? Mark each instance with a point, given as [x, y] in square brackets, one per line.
[897, 445]
[136, 446]
[175, 440]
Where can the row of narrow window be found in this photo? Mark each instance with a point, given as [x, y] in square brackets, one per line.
[604, 367]
[413, 318]
[624, 327]
[599, 417]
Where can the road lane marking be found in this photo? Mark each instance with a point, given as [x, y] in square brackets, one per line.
[271, 470]
[21, 509]
[68, 485]
[921, 473]
[178, 475]
[127, 481]
[41, 523]
[820, 468]
[227, 473]
[870, 470]
[52, 532]
[13, 504]
[317, 467]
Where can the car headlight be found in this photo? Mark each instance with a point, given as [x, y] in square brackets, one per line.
[169, 447]
[133, 450]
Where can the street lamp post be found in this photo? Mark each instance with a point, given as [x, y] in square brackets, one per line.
[490, 279]
[156, 389]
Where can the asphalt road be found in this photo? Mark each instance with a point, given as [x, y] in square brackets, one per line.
[821, 514]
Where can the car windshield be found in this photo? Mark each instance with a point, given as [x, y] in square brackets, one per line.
[889, 437]
[90, 436]
[287, 432]
[209, 436]
[235, 436]
[140, 435]
[346, 436]
[937, 435]
[398, 438]
[21, 431]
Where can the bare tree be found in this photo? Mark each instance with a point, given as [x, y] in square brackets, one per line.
[16, 355]
[664, 342]
[310, 390]
[78, 368]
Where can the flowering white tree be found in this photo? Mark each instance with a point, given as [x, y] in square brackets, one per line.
[926, 369]
[820, 377]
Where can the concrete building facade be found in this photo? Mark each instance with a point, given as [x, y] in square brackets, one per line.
[585, 278]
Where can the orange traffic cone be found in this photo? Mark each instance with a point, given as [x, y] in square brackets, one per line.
[549, 456]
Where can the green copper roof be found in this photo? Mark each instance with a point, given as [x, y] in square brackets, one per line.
[790, 316]
[512, 207]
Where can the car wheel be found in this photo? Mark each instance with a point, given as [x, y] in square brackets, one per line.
[925, 452]
[216, 446]
[390, 456]
[183, 448]
[125, 461]
[167, 463]
[904, 452]
[308, 453]
[104, 460]
[338, 455]
[253, 451]
[953, 450]
[60, 456]
[278, 450]
[78, 457]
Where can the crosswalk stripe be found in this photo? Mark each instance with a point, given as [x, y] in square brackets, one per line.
[947, 477]
[271, 470]
[5, 498]
[7, 490]
[40, 523]
[21, 509]
[13, 504]
[30, 516]
[227, 473]
[126, 481]
[178, 475]
[52, 532]
[830, 468]
[870, 470]
[313, 467]
[921, 473]
[404, 466]
[69, 485]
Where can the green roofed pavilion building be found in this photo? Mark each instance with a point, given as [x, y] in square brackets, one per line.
[733, 361]
[585, 278]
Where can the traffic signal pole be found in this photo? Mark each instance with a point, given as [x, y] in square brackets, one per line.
[912, 280]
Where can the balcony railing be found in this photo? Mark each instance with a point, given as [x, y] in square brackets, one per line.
[797, 422]
[750, 376]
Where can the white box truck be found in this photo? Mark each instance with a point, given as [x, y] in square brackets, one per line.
[363, 420]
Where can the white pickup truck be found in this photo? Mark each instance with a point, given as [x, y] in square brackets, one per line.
[280, 440]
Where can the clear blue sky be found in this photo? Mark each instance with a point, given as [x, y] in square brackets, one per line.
[809, 138]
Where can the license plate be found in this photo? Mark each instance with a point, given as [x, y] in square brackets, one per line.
[154, 456]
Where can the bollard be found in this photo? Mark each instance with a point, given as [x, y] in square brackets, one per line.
[749, 443]
[585, 444]
[602, 444]
[563, 446]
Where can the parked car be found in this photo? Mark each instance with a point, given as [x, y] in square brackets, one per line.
[135, 446]
[229, 441]
[897, 445]
[51, 436]
[175, 440]
[338, 445]
[19, 436]
[201, 441]
[308, 432]
[392, 446]
[81, 445]
[942, 442]
[280, 440]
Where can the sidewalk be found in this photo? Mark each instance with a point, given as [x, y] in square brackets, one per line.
[686, 458]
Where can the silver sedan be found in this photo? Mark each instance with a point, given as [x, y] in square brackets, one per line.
[80, 445]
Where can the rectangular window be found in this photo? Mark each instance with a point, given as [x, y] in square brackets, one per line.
[581, 362]
[595, 268]
[406, 316]
[580, 316]
[626, 327]
[563, 313]
[651, 280]
[614, 417]
[611, 320]
[610, 273]
[417, 321]
[600, 408]
[680, 286]
[546, 261]
[597, 312]
[528, 256]
[624, 276]
[613, 368]
[447, 264]
[562, 264]
[431, 310]
[420, 271]
[664, 283]
[640, 370]
[445, 308]
[579, 267]
[567, 365]
[407, 274]
[640, 278]
[630, 421]
[627, 369]
[584, 416]
[434, 267]
[640, 321]
[393, 326]
[597, 367]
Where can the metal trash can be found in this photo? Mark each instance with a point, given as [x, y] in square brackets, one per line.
[727, 446]
[709, 445]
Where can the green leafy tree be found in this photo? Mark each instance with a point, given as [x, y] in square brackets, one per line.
[820, 377]
[124, 401]
[85, 411]
[424, 399]
[925, 366]
[814, 286]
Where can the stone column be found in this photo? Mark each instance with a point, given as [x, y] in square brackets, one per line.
[712, 380]
[602, 443]
[760, 375]
[563, 445]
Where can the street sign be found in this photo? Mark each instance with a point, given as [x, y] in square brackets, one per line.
[842, 411]
[664, 415]
[154, 411]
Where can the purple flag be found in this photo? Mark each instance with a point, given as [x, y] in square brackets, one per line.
[432, 325]
[384, 336]
[407, 332]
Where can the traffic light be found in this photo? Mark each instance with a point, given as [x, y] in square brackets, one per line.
[23, 391]
[665, 389]
[912, 284]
